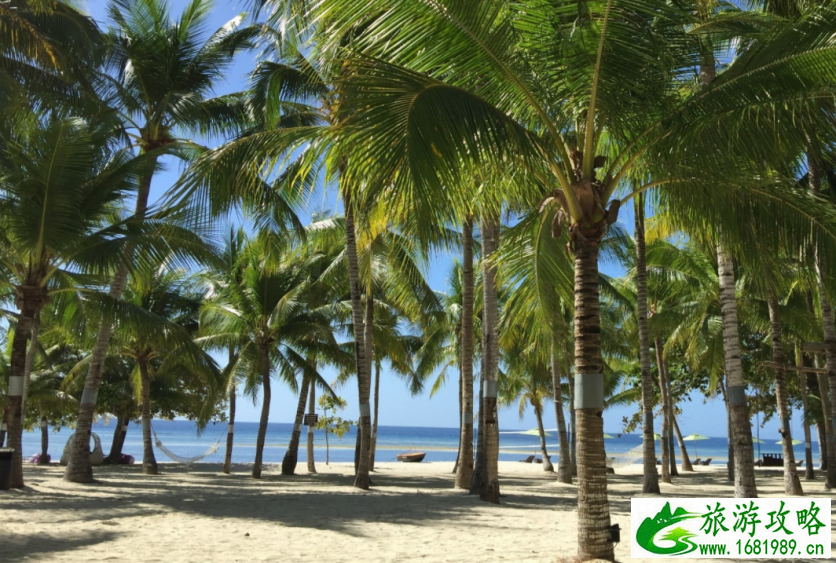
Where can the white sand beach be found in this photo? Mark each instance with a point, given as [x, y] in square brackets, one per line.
[197, 514]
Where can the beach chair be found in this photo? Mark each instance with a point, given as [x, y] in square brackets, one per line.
[706, 462]
[799, 463]
[697, 461]
[529, 459]
[658, 461]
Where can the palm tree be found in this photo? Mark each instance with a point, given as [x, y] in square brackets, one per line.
[219, 279]
[461, 345]
[48, 48]
[527, 381]
[158, 338]
[270, 315]
[60, 182]
[562, 69]
[650, 484]
[159, 77]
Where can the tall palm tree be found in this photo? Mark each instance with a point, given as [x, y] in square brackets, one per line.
[650, 484]
[157, 335]
[270, 316]
[59, 184]
[160, 74]
[219, 279]
[514, 67]
[527, 381]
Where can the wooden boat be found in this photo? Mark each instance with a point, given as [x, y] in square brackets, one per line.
[413, 457]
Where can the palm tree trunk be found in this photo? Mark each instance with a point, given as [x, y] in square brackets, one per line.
[3, 428]
[265, 413]
[44, 457]
[361, 478]
[311, 411]
[479, 468]
[802, 359]
[464, 470]
[663, 441]
[669, 405]
[149, 462]
[327, 447]
[461, 410]
[814, 173]
[119, 434]
[828, 391]
[593, 505]
[79, 469]
[825, 432]
[822, 446]
[30, 358]
[291, 456]
[230, 430]
[29, 308]
[490, 351]
[792, 485]
[547, 463]
[373, 445]
[573, 431]
[686, 461]
[651, 476]
[730, 463]
[564, 460]
[744, 455]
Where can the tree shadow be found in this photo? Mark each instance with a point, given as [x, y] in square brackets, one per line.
[20, 547]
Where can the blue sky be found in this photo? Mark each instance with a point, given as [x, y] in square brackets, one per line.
[398, 407]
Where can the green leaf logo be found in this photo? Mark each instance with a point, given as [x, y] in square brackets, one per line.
[681, 538]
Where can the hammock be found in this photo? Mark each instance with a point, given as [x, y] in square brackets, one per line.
[628, 458]
[179, 459]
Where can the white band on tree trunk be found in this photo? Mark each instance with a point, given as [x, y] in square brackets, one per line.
[648, 420]
[589, 391]
[467, 418]
[230, 429]
[737, 395]
[44, 424]
[785, 425]
[310, 429]
[124, 428]
[365, 410]
[88, 397]
[491, 388]
[808, 445]
[3, 427]
[16, 386]
[297, 427]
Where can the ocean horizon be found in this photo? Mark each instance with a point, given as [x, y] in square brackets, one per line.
[440, 444]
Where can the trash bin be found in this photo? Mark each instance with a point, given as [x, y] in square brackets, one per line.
[6, 468]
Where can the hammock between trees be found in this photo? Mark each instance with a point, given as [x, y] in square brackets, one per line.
[179, 459]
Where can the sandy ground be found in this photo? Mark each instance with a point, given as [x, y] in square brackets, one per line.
[413, 514]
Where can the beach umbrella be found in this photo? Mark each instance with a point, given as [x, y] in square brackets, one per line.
[759, 441]
[694, 438]
[794, 442]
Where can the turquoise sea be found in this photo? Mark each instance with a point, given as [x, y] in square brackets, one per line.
[440, 444]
